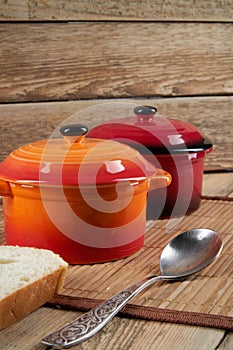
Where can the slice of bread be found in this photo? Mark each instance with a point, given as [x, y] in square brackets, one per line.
[29, 277]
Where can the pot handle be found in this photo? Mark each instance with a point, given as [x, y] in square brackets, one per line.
[161, 179]
[5, 189]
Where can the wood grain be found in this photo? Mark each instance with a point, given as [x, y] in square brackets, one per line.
[227, 343]
[70, 61]
[147, 10]
[119, 334]
[58, 62]
[24, 123]
[218, 184]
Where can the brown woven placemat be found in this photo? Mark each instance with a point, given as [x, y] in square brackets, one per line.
[205, 299]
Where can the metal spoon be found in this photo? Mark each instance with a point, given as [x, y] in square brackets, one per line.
[186, 254]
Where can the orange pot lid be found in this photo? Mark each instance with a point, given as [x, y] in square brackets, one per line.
[73, 160]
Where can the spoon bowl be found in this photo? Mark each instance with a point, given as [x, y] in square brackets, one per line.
[184, 255]
[190, 252]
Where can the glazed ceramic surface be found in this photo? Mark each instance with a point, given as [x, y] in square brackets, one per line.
[173, 145]
[85, 199]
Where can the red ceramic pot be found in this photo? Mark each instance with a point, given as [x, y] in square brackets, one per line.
[175, 146]
[85, 199]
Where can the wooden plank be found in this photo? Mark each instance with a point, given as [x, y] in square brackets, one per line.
[227, 343]
[147, 10]
[24, 123]
[64, 61]
[119, 334]
[218, 184]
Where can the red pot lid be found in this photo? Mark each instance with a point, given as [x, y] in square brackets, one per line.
[160, 135]
[75, 159]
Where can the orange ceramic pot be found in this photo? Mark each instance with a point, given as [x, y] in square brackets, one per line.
[85, 199]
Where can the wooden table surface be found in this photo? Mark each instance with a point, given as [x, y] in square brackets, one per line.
[124, 333]
[59, 58]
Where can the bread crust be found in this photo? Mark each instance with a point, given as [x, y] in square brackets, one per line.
[20, 303]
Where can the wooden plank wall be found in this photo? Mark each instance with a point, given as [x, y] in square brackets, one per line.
[60, 57]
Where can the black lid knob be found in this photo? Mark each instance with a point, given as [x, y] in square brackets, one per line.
[145, 110]
[73, 130]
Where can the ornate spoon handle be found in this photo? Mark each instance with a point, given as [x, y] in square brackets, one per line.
[91, 322]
